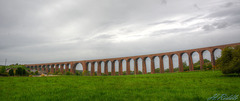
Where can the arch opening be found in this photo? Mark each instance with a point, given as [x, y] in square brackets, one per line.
[196, 61]
[79, 68]
[148, 65]
[139, 60]
[207, 60]
[166, 63]
[175, 63]
[132, 66]
[185, 62]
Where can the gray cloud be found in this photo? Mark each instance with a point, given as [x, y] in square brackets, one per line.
[59, 30]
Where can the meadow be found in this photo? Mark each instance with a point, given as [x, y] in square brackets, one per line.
[186, 86]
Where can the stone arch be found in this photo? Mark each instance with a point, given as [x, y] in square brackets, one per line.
[79, 67]
[109, 66]
[139, 65]
[116, 68]
[185, 61]
[95, 67]
[147, 61]
[206, 55]
[207, 59]
[195, 60]
[132, 65]
[88, 65]
[61, 68]
[217, 53]
[175, 62]
[156, 64]
[166, 63]
[124, 66]
[102, 66]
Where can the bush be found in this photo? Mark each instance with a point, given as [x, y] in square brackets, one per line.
[42, 75]
[229, 62]
[68, 73]
[139, 72]
[124, 73]
[11, 72]
[21, 71]
[4, 74]
[2, 69]
[85, 73]
[59, 73]
[36, 72]
[77, 73]
[109, 73]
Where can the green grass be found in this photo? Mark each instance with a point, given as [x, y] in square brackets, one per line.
[187, 86]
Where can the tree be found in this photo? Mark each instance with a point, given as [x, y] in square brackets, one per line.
[3, 69]
[19, 71]
[36, 72]
[11, 72]
[229, 62]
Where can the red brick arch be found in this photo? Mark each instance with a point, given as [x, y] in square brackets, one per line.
[45, 66]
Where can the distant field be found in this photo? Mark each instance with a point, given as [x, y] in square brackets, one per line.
[187, 86]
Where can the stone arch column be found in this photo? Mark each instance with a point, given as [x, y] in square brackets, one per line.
[136, 66]
[52, 68]
[106, 67]
[128, 67]
[47, 68]
[152, 65]
[201, 59]
[57, 68]
[170, 63]
[120, 67]
[161, 64]
[38, 68]
[42, 67]
[180, 64]
[66, 67]
[144, 69]
[113, 68]
[92, 68]
[84, 66]
[190, 61]
[99, 68]
[72, 68]
[212, 57]
[61, 68]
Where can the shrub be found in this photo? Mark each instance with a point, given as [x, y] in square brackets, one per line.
[85, 73]
[30, 75]
[77, 73]
[139, 72]
[2, 69]
[36, 72]
[59, 73]
[109, 73]
[124, 73]
[4, 74]
[11, 72]
[68, 73]
[19, 71]
[229, 62]
[42, 75]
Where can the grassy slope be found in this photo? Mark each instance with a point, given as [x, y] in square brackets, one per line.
[169, 87]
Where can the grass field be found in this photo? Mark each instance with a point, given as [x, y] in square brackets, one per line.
[187, 86]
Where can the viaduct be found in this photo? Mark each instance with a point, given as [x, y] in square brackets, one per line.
[71, 65]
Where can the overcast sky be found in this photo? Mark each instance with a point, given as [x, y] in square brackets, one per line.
[42, 31]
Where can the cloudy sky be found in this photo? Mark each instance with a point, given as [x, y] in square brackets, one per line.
[42, 31]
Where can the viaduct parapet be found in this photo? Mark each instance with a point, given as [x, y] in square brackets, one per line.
[71, 65]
